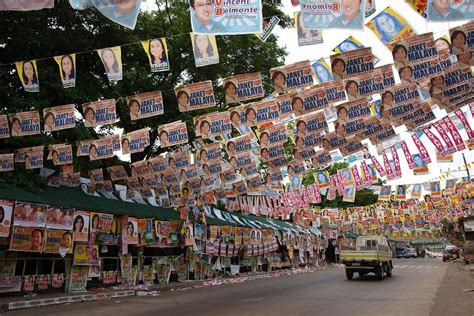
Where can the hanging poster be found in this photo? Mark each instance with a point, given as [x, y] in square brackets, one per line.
[83, 147]
[101, 222]
[385, 193]
[157, 51]
[101, 149]
[241, 160]
[261, 112]
[25, 123]
[420, 166]
[242, 144]
[4, 129]
[349, 194]
[34, 157]
[339, 14]
[390, 27]
[136, 141]
[309, 100]
[311, 123]
[145, 105]
[306, 36]
[7, 162]
[226, 17]
[117, 173]
[268, 24]
[6, 211]
[59, 117]
[205, 49]
[214, 124]
[27, 239]
[290, 77]
[58, 241]
[352, 63]
[26, 5]
[99, 113]
[322, 179]
[388, 76]
[243, 87]
[400, 193]
[353, 146]
[195, 96]
[272, 152]
[416, 191]
[29, 215]
[172, 134]
[59, 218]
[112, 59]
[67, 69]
[28, 74]
[78, 280]
[81, 226]
[445, 11]
[60, 154]
[126, 266]
[322, 70]
[365, 85]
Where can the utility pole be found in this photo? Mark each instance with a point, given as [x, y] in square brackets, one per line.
[465, 165]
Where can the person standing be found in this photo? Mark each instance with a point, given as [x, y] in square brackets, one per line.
[337, 252]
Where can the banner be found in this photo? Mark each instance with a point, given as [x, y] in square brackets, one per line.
[226, 17]
[268, 24]
[337, 14]
[205, 49]
[157, 51]
[390, 27]
[467, 126]
[305, 35]
[67, 69]
[173, 134]
[145, 105]
[59, 118]
[244, 87]
[99, 113]
[34, 157]
[458, 141]
[290, 77]
[29, 215]
[6, 211]
[261, 112]
[7, 162]
[423, 152]
[27, 239]
[59, 218]
[81, 226]
[28, 74]
[112, 59]
[444, 11]
[60, 154]
[25, 123]
[78, 280]
[135, 141]
[101, 222]
[195, 96]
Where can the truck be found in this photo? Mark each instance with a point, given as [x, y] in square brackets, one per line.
[372, 254]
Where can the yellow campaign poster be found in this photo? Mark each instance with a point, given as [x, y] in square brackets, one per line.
[157, 52]
[205, 49]
[67, 69]
[28, 74]
[112, 59]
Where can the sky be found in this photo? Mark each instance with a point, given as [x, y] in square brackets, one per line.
[331, 38]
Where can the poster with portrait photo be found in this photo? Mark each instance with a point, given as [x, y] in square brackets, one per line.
[101, 149]
[306, 36]
[25, 123]
[309, 100]
[99, 113]
[420, 166]
[365, 85]
[59, 218]
[27, 239]
[268, 24]
[349, 194]
[157, 52]
[117, 173]
[100, 222]
[28, 74]
[211, 152]
[67, 69]
[340, 14]
[60, 154]
[171, 134]
[389, 26]
[145, 105]
[352, 63]
[135, 141]
[400, 193]
[445, 11]
[7, 162]
[59, 118]
[124, 13]
[242, 143]
[6, 211]
[204, 49]
[292, 76]
[195, 96]
[111, 58]
[215, 124]
[322, 179]
[58, 241]
[261, 112]
[29, 215]
[86, 255]
[34, 157]
[130, 230]
[385, 193]
[273, 152]
[322, 70]
[81, 226]
[4, 129]
[243, 87]
[415, 191]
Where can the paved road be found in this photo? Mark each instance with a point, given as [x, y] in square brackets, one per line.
[411, 291]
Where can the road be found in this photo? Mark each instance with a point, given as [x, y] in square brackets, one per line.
[411, 291]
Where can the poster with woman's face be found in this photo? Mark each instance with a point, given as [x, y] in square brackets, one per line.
[112, 59]
[4, 129]
[157, 51]
[80, 226]
[67, 69]
[131, 226]
[243, 87]
[28, 74]
[145, 105]
[306, 36]
[205, 49]
[6, 209]
[59, 218]
[100, 222]
[99, 113]
[25, 123]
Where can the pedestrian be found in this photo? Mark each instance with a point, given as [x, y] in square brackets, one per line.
[336, 253]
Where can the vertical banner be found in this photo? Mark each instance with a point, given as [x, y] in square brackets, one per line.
[78, 279]
[390, 27]
[444, 135]
[337, 14]
[388, 167]
[25, 123]
[379, 168]
[422, 149]
[396, 162]
[112, 59]
[366, 173]
[408, 155]
[434, 139]
[454, 133]
[357, 179]
[205, 49]
[157, 51]
[460, 114]
[145, 105]
[67, 69]
[28, 74]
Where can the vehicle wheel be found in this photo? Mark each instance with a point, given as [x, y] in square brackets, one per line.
[349, 274]
[388, 272]
[379, 272]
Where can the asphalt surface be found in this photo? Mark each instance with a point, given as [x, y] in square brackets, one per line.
[410, 291]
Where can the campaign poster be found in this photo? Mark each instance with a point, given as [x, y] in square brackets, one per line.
[60, 154]
[215, 124]
[293, 76]
[385, 193]
[29, 215]
[417, 71]
[99, 113]
[322, 70]
[349, 194]
[157, 52]
[388, 76]
[131, 230]
[25, 123]
[365, 85]
[156, 164]
[414, 49]
[240, 144]
[268, 24]
[400, 193]
[352, 111]
[172, 134]
[445, 11]
[420, 166]
[6, 211]
[111, 58]
[305, 35]
[67, 69]
[78, 279]
[462, 42]
[7, 162]
[136, 141]
[26, 5]
[389, 26]
[195, 96]
[81, 226]
[59, 118]
[211, 152]
[309, 100]
[83, 147]
[415, 191]
[101, 149]
[321, 159]
[226, 17]
[28, 74]
[322, 179]
[337, 14]
[4, 129]
[33, 157]
[261, 112]
[58, 241]
[140, 169]
[241, 160]
[273, 135]
[59, 218]
[145, 105]
[100, 222]
[352, 63]
[243, 87]
[311, 123]
[117, 173]
[353, 146]
[272, 152]
[84, 254]
[27, 239]
[204, 49]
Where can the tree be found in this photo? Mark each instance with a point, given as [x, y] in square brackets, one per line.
[62, 30]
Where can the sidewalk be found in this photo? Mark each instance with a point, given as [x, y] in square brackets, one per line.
[9, 303]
